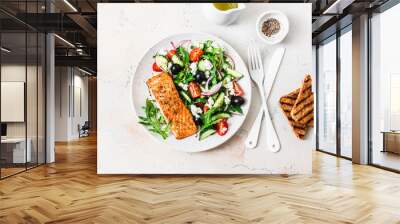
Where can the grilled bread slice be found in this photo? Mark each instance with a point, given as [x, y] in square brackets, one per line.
[311, 123]
[163, 89]
[287, 102]
[303, 109]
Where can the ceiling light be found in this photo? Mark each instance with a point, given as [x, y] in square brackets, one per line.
[5, 50]
[84, 71]
[70, 5]
[64, 40]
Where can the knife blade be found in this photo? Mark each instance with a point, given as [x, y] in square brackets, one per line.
[272, 71]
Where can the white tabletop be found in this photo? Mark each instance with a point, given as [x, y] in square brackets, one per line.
[126, 31]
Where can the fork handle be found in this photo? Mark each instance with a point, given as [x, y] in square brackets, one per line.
[252, 138]
[272, 138]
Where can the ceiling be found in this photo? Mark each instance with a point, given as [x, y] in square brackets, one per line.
[76, 22]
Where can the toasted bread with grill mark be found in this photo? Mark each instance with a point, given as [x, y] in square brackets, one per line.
[303, 109]
[287, 102]
[311, 123]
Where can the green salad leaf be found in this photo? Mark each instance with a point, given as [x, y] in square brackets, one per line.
[184, 55]
[235, 109]
[154, 120]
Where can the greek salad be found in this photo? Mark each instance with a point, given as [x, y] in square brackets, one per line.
[207, 82]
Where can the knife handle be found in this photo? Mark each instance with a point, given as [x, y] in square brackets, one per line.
[272, 137]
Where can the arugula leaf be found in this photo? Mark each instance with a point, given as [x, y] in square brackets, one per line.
[207, 118]
[154, 120]
[184, 55]
[234, 109]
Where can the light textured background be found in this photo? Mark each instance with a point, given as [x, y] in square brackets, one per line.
[126, 31]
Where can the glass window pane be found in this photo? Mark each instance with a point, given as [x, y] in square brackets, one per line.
[13, 88]
[327, 97]
[32, 95]
[346, 94]
[385, 84]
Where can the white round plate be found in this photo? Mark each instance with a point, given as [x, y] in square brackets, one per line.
[140, 92]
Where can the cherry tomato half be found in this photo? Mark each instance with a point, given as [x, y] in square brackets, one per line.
[171, 53]
[205, 108]
[195, 54]
[156, 68]
[222, 127]
[237, 89]
[194, 90]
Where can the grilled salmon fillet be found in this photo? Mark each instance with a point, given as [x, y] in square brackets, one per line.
[163, 89]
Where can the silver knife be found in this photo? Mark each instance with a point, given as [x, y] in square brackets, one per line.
[273, 68]
[273, 140]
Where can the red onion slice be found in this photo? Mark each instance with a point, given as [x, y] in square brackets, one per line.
[208, 82]
[213, 90]
[173, 45]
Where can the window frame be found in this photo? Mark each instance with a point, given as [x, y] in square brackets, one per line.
[334, 37]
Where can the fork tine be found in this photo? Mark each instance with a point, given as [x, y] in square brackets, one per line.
[249, 57]
[253, 57]
[258, 56]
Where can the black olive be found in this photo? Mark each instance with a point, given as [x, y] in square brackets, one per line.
[198, 120]
[237, 100]
[200, 76]
[175, 69]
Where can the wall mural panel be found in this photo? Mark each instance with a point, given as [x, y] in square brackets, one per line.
[175, 96]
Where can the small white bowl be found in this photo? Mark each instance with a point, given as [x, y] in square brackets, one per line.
[283, 22]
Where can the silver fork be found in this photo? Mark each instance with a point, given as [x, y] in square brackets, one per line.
[257, 75]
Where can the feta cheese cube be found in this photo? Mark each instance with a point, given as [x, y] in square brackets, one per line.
[196, 111]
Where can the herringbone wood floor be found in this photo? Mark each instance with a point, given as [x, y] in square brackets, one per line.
[69, 191]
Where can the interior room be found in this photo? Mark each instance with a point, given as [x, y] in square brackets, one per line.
[22, 103]
[178, 112]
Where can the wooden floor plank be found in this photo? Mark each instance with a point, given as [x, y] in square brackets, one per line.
[70, 191]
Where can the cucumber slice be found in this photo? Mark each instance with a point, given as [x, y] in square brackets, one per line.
[201, 66]
[234, 73]
[226, 80]
[220, 100]
[204, 65]
[175, 59]
[221, 116]
[207, 133]
[162, 62]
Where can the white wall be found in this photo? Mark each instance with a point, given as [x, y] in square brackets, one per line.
[16, 72]
[70, 83]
